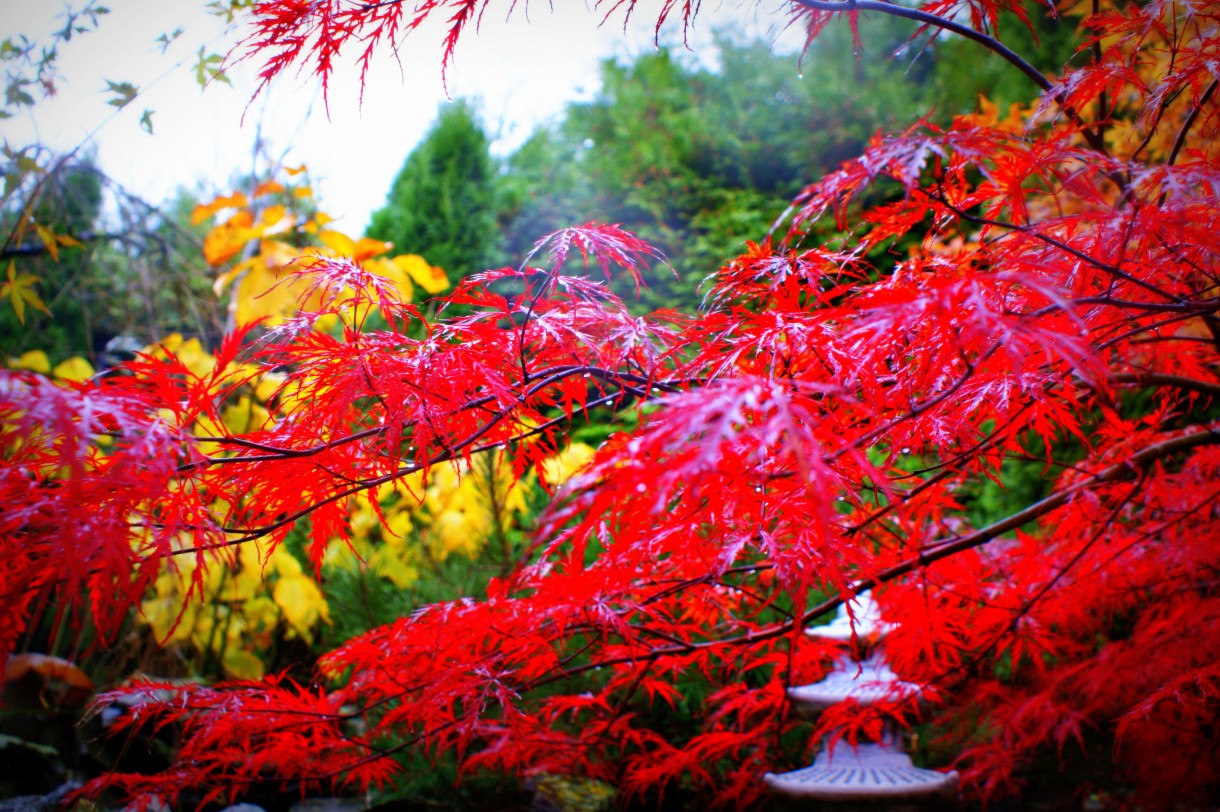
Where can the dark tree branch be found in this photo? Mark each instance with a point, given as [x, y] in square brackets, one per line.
[1053, 242]
[33, 249]
[1124, 470]
[990, 43]
[1180, 141]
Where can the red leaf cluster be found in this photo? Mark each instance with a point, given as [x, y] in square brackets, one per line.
[1041, 294]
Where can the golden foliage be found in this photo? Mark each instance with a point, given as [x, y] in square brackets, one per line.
[272, 242]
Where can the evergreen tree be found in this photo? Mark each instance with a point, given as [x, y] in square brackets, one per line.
[442, 204]
[698, 160]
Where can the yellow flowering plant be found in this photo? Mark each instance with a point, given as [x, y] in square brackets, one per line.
[258, 243]
[232, 616]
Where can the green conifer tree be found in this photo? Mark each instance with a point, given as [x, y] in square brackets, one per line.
[441, 205]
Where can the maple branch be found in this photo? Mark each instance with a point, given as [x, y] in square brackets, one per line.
[553, 375]
[919, 408]
[248, 534]
[275, 452]
[1028, 605]
[1144, 328]
[1114, 473]
[990, 43]
[1180, 141]
[1161, 379]
[33, 249]
[1198, 308]
[1051, 241]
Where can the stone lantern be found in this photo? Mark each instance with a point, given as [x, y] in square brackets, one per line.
[871, 771]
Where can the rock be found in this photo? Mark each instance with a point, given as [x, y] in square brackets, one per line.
[329, 805]
[30, 768]
[40, 803]
[561, 793]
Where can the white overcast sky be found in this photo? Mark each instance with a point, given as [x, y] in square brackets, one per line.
[522, 71]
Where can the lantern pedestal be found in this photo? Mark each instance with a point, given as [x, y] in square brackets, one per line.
[871, 771]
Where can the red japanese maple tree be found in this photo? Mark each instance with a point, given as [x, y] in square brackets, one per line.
[821, 428]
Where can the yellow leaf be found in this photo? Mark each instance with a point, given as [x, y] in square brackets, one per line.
[227, 240]
[258, 417]
[73, 369]
[338, 242]
[250, 556]
[205, 211]
[277, 254]
[302, 604]
[19, 288]
[168, 613]
[168, 346]
[561, 467]
[274, 216]
[202, 637]
[261, 613]
[319, 221]
[394, 568]
[302, 192]
[349, 557]
[292, 398]
[167, 584]
[442, 485]
[195, 358]
[33, 360]
[326, 323]
[236, 272]
[236, 416]
[428, 277]
[386, 268]
[458, 531]
[260, 294]
[270, 383]
[207, 426]
[269, 287]
[244, 584]
[268, 187]
[293, 171]
[285, 563]
[399, 524]
[242, 664]
[48, 241]
[368, 247]
[363, 521]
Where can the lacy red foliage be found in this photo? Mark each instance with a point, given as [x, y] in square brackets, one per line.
[829, 424]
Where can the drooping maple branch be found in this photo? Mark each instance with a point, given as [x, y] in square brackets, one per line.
[990, 43]
[1028, 605]
[1175, 381]
[469, 444]
[1180, 141]
[552, 375]
[1129, 467]
[1029, 230]
[1114, 473]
